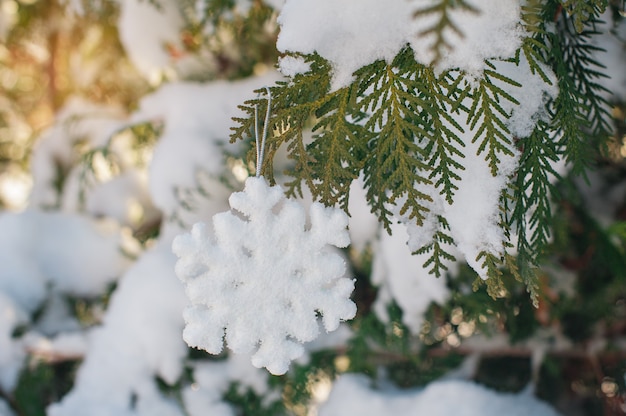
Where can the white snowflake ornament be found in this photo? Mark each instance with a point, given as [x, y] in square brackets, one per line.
[262, 279]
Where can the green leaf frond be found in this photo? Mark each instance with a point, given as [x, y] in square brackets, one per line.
[444, 22]
[582, 11]
[524, 269]
[487, 113]
[444, 144]
[534, 46]
[395, 165]
[394, 123]
[337, 149]
[293, 105]
[492, 264]
[580, 112]
[413, 139]
[532, 213]
[436, 263]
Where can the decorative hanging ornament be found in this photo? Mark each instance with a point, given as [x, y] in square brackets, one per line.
[261, 277]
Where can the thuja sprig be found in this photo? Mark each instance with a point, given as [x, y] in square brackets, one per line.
[487, 113]
[535, 179]
[444, 144]
[396, 165]
[582, 11]
[580, 112]
[534, 47]
[436, 263]
[415, 108]
[444, 22]
[338, 147]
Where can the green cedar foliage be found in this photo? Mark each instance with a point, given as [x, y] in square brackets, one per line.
[441, 239]
[582, 11]
[442, 10]
[492, 133]
[395, 125]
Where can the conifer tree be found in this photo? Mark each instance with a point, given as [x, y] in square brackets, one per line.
[476, 147]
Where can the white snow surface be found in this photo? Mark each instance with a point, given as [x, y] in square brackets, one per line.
[33, 256]
[213, 379]
[401, 276]
[147, 32]
[614, 56]
[264, 275]
[78, 121]
[353, 395]
[35, 260]
[11, 352]
[290, 66]
[353, 33]
[4, 409]
[197, 121]
[138, 340]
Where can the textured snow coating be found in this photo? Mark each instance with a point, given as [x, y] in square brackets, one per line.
[354, 33]
[79, 121]
[352, 395]
[138, 340]
[197, 121]
[146, 33]
[35, 262]
[292, 65]
[350, 36]
[213, 379]
[401, 277]
[264, 276]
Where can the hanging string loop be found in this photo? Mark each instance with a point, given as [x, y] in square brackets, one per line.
[260, 140]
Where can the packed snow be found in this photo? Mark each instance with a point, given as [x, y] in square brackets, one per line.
[354, 395]
[197, 120]
[151, 36]
[354, 33]
[36, 265]
[402, 278]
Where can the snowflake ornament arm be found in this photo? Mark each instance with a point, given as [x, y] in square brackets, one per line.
[260, 282]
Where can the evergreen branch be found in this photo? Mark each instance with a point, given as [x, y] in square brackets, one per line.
[582, 11]
[534, 187]
[525, 270]
[429, 100]
[443, 9]
[534, 47]
[337, 150]
[487, 113]
[294, 104]
[491, 263]
[579, 111]
[444, 143]
[439, 256]
[395, 165]
[532, 212]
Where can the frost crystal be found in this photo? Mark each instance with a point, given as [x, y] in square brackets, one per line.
[264, 276]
